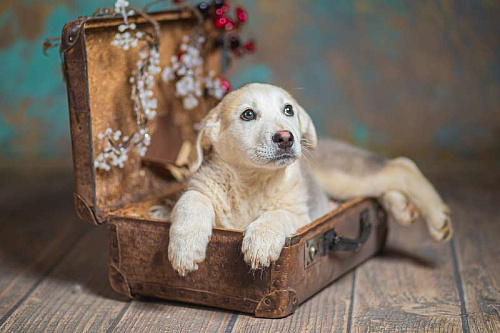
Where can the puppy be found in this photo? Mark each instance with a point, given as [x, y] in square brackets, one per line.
[254, 171]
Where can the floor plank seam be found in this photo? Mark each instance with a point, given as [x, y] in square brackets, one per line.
[230, 324]
[118, 318]
[458, 281]
[42, 278]
[351, 304]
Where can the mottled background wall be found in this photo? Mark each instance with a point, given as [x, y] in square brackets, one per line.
[414, 77]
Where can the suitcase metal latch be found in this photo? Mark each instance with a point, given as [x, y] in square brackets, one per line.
[328, 241]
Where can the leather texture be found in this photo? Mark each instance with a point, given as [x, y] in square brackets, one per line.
[224, 280]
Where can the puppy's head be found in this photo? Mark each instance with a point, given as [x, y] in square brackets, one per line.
[258, 125]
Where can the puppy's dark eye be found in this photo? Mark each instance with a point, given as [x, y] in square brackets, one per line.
[248, 115]
[288, 110]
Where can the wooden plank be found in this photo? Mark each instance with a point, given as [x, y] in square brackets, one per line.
[328, 311]
[162, 316]
[38, 226]
[410, 287]
[75, 297]
[477, 245]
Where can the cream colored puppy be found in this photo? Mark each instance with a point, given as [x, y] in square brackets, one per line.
[255, 176]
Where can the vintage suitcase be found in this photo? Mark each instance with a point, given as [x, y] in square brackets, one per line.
[98, 94]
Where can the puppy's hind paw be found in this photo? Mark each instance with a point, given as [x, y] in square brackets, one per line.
[439, 225]
[401, 209]
[261, 246]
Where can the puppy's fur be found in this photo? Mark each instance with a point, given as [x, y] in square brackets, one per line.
[244, 180]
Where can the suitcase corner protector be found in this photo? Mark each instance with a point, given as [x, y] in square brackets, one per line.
[278, 304]
[70, 33]
[119, 282]
[84, 211]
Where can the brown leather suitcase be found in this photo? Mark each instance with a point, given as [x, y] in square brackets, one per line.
[98, 94]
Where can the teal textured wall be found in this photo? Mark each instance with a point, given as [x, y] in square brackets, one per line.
[419, 77]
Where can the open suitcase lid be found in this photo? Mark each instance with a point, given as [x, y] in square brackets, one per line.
[97, 78]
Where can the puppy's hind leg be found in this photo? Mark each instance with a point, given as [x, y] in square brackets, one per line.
[403, 174]
[345, 172]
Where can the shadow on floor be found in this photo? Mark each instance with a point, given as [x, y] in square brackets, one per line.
[393, 253]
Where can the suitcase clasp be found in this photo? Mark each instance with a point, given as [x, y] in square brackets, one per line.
[328, 241]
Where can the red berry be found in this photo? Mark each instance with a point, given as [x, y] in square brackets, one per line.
[179, 55]
[222, 10]
[241, 14]
[229, 25]
[249, 46]
[177, 1]
[225, 85]
[220, 22]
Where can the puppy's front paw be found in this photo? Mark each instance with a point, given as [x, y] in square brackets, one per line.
[439, 224]
[261, 245]
[186, 251]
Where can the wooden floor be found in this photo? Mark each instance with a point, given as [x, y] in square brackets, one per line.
[53, 273]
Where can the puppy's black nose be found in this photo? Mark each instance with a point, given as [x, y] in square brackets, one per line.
[284, 139]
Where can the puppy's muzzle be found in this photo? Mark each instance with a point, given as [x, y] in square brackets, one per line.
[284, 139]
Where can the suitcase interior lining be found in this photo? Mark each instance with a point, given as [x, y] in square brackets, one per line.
[110, 106]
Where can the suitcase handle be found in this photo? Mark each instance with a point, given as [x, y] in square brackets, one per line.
[322, 244]
[332, 241]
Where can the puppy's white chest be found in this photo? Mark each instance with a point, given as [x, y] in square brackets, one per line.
[248, 201]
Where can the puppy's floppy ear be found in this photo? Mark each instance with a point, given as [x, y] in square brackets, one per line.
[209, 131]
[307, 129]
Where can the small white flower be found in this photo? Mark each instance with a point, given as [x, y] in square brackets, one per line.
[190, 102]
[189, 70]
[167, 74]
[120, 5]
[182, 71]
[117, 146]
[142, 151]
